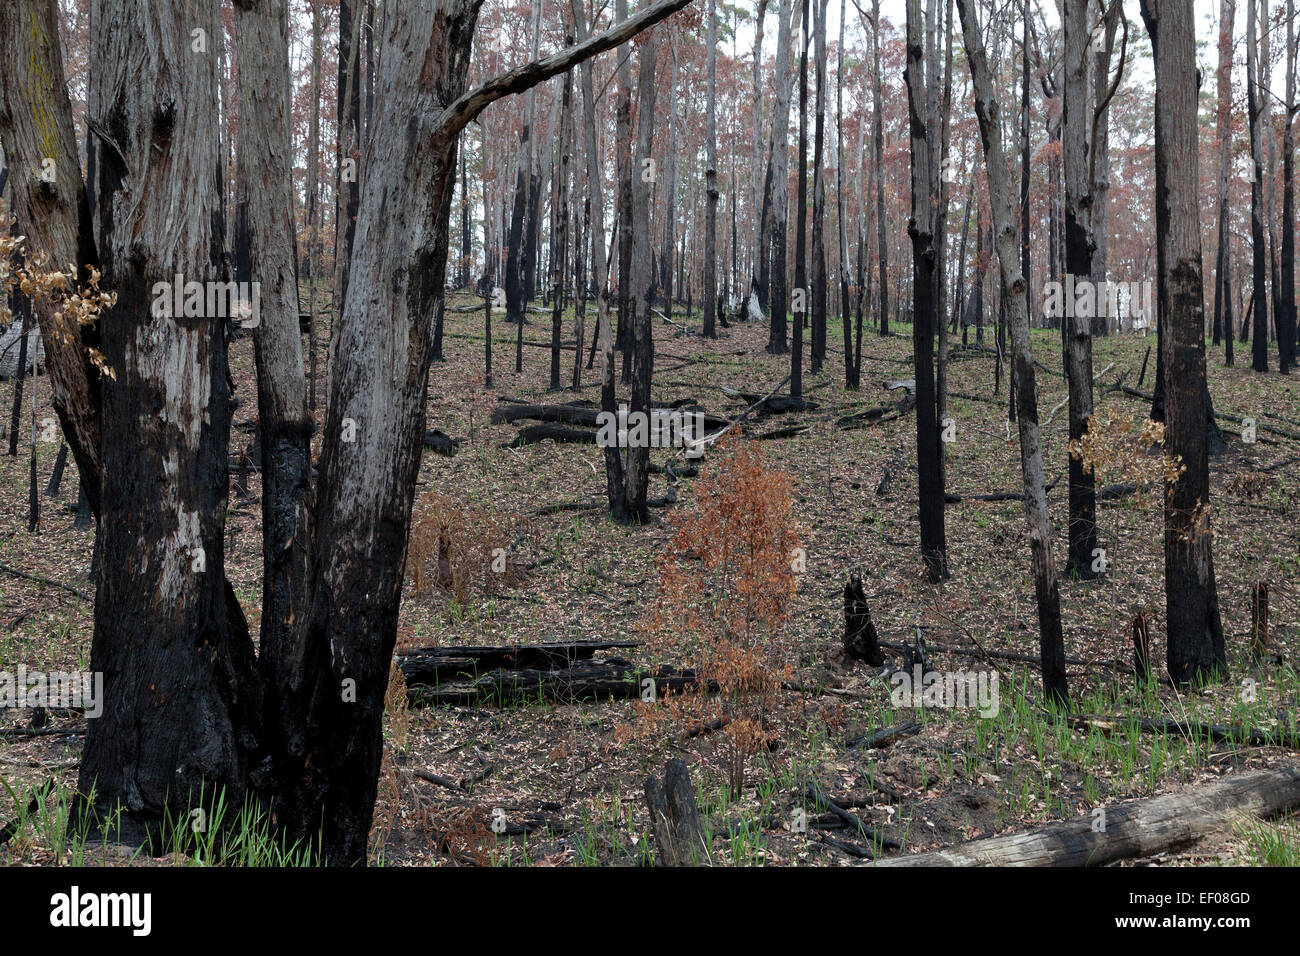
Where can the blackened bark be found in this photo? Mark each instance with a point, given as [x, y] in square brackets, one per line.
[181, 702]
[930, 483]
[642, 283]
[1195, 631]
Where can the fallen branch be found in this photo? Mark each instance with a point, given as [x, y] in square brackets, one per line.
[606, 680]
[47, 581]
[1192, 730]
[814, 792]
[431, 665]
[883, 738]
[1134, 829]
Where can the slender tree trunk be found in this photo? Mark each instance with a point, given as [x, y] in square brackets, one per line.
[560, 224]
[1286, 317]
[1223, 108]
[623, 151]
[882, 246]
[313, 197]
[779, 299]
[919, 226]
[799, 303]
[284, 426]
[642, 281]
[1076, 123]
[711, 177]
[1099, 169]
[821, 285]
[1046, 588]
[1259, 299]
[762, 197]
[349, 156]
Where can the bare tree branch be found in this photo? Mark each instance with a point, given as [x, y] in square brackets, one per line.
[455, 117]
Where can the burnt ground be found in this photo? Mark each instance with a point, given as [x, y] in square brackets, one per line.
[958, 778]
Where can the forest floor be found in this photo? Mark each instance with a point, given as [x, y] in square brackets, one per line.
[571, 765]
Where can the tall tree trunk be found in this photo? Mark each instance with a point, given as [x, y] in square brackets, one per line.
[1076, 123]
[638, 454]
[799, 303]
[878, 137]
[670, 218]
[623, 152]
[779, 300]
[1259, 299]
[850, 382]
[711, 177]
[313, 197]
[613, 459]
[284, 426]
[1099, 157]
[348, 172]
[1223, 126]
[821, 286]
[164, 630]
[762, 221]
[1286, 317]
[1046, 588]
[560, 224]
[930, 483]
[1195, 631]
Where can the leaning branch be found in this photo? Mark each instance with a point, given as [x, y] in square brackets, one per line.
[456, 116]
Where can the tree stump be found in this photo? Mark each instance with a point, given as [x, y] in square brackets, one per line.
[675, 819]
[861, 641]
[1141, 649]
[1258, 621]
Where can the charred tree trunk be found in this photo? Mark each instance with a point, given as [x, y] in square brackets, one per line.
[1223, 111]
[285, 427]
[638, 457]
[878, 138]
[1195, 644]
[1078, 264]
[167, 631]
[933, 547]
[1254, 105]
[711, 178]
[779, 299]
[1046, 586]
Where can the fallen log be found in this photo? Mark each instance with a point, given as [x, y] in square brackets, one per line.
[582, 414]
[883, 738]
[442, 443]
[431, 665]
[787, 432]
[878, 415]
[1134, 829]
[603, 680]
[763, 406]
[1192, 730]
[532, 434]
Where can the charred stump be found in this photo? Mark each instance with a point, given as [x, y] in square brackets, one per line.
[861, 642]
[675, 818]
